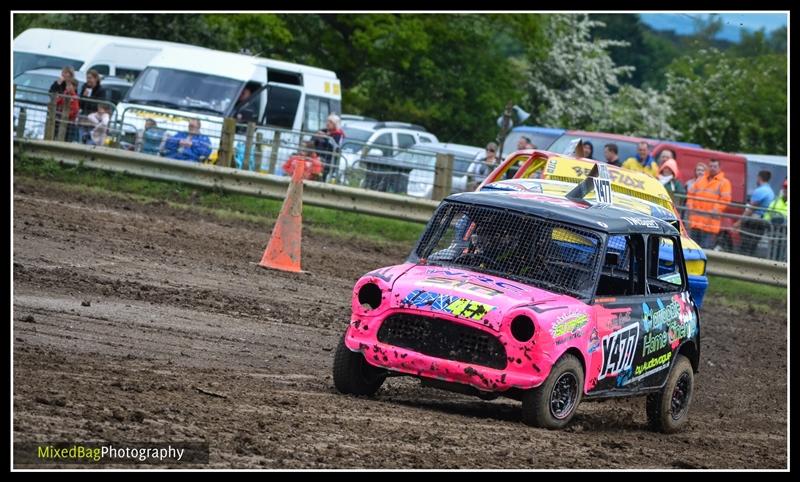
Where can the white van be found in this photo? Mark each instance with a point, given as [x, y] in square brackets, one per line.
[123, 57]
[179, 84]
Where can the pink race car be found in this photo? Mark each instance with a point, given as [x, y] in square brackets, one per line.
[548, 300]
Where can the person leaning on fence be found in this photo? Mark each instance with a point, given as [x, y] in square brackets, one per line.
[327, 141]
[668, 176]
[92, 93]
[751, 225]
[68, 107]
[188, 146]
[706, 201]
[60, 85]
[776, 213]
[99, 120]
[313, 167]
[153, 138]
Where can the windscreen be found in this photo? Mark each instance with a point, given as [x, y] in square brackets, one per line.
[539, 252]
[178, 89]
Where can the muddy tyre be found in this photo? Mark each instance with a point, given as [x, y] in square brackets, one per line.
[553, 404]
[668, 410]
[353, 375]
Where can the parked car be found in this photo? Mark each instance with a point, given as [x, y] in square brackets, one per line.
[377, 139]
[412, 171]
[543, 299]
[535, 164]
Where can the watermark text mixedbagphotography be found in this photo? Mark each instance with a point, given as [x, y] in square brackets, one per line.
[91, 453]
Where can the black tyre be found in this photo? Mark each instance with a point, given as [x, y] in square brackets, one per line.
[353, 375]
[552, 404]
[668, 410]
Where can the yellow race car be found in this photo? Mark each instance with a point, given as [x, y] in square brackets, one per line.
[556, 174]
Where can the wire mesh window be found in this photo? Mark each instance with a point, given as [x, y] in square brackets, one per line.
[539, 252]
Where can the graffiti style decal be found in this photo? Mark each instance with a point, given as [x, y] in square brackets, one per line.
[569, 323]
[654, 320]
[594, 341]
[619, 349]
[462, 286]
[651, 367]
[448, 304]
[615, 176]
[381, 274]
[568, 337]
[643, 222]
[654, 342]
[483, 279]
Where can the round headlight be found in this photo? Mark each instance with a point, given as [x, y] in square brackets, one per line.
[370, 296]
[522, 328]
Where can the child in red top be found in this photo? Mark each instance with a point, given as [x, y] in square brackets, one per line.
[70, 95]
[313, 167]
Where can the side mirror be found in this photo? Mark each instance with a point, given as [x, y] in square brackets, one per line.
[612, 259]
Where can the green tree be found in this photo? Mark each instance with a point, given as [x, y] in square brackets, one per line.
[731, 104]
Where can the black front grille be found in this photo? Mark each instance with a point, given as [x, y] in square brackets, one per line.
[443, 339]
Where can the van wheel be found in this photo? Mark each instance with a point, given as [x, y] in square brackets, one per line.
[353, 375]
[552, 404]
[668, 410]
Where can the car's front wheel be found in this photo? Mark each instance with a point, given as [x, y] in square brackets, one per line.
[353, 375]
[553, 404]
[668, 410]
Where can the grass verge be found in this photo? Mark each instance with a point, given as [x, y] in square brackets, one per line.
[746, 295]
[342, 224]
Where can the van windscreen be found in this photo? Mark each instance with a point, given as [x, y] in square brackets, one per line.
[179, 89]
[24, 61]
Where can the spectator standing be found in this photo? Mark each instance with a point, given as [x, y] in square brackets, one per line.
[328, 141]
[611, 153]
[751, 225]
[68, 107]
[313, 166]
[668, 175]
[60, 85]
[153, 138]
[524, 142]
[481, 167]
[588, 149]
[699, 171]
[99, 120]
[91, 93]
[642, 161]
[664, 155]
[188, 146]
[776, 214]
[706, 202]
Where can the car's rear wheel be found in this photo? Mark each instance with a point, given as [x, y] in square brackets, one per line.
[668, 410]
[553, 404]
[353, 375]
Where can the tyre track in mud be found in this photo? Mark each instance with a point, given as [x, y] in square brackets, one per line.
[177, 309]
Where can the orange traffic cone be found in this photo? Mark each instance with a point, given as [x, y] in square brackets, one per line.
[283, 250]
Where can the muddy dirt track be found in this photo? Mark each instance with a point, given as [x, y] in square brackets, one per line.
[184, 338]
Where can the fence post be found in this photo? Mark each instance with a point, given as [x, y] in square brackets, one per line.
[21, 118]
[259, 150]
[442, 176]
[225, 152]
[62, 121]
[273, 155]
[248, 145]
[50, 122]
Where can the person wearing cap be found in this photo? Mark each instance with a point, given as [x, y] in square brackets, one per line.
[668, 176]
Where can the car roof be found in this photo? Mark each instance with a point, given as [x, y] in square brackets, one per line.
[376, 125]
[539, 130]
[447, 147]
[80, 76]
[597, 217]
[766, 159]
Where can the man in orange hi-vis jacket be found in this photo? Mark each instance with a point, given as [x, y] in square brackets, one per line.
[706, 201]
